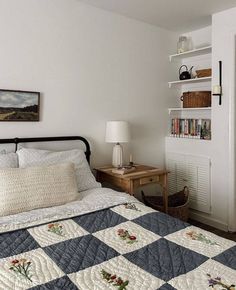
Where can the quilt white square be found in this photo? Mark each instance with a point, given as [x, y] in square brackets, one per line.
[115, 272]
[126, 237]
[200, 241]
[210, 275]
[132, 210]
[53, 233]
[28, 269]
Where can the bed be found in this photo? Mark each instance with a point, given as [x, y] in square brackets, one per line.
[109, 240]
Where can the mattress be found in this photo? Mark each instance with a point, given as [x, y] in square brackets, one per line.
[109, 240]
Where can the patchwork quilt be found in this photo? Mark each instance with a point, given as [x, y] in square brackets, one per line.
[125, 247]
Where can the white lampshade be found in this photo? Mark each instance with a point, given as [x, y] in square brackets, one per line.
[117, 132]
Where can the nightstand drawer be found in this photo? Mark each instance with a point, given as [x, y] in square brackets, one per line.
[149, 179]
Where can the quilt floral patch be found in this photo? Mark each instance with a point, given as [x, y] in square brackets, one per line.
[201, 238]
[131, 206]
[22, 267]
[56, 229]
[218, 281]
[125, 235]
[114, 280]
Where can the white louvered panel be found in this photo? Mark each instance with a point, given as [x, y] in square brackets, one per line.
[198, 172]
[193, 171]
[181, 174]
[175, 163]
[198, 197]
[172, 177]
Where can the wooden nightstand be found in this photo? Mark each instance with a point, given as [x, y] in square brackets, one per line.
[143, 175]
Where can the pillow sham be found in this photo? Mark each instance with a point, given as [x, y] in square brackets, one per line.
[8, 160]
[24, 189]
[34, 157]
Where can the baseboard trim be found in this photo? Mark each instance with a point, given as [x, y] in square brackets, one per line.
[208, 221]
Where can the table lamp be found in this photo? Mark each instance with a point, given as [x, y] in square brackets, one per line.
[117, 132]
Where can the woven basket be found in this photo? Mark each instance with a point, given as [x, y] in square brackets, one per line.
[202, 73]
[197, 99]
[181, 211]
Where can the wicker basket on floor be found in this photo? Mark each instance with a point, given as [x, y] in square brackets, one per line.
[178, 203]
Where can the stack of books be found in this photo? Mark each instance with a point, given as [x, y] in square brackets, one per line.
[191, 128]
[123, 170]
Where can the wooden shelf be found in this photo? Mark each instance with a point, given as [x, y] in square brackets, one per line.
[196, 80]
[189, 109]
[190, 53]
[189, 142]
[186, 139]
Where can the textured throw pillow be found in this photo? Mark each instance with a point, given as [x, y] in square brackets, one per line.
[35, 157]
[24, 189]
[8, 160]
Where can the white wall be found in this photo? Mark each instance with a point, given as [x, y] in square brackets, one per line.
[200, 37]
[223, 37]
[90, 66]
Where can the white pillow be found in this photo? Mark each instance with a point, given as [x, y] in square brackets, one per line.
[24, 189]
[8, 160]
[35, 157]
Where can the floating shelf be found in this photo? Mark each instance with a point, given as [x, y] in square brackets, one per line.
[190, 53]
[189, 109]
[187, 139]
[196, 80]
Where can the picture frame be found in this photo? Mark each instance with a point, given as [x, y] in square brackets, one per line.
[19, 106]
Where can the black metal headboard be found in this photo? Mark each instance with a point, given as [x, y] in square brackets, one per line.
[16, 141]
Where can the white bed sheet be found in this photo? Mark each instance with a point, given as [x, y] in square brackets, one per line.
[91, 200]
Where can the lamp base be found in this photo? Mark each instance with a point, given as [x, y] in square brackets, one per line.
[117, 156]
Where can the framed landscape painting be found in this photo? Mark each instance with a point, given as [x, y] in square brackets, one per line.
[19, 105]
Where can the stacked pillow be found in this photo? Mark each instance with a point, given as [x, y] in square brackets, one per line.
[24, 189]
[8, 160]
[43, 179]
[33, 157]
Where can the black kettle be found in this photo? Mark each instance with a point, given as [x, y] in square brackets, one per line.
[186, 74]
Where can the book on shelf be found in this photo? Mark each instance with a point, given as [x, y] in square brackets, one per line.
[206, 129]
[191, 128]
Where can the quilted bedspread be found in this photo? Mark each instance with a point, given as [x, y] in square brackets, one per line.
[129, 246]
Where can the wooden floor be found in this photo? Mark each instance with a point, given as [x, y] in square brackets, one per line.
[230, 236]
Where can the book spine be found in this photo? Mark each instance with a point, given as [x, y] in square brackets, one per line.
[195, 129]
[199, 128]
[189, 128]
[176, 129]
[181, 128]
[171, 128]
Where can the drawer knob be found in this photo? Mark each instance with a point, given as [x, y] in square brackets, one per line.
[150, 179]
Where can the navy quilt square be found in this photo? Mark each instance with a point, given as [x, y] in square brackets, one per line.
[15, 243]
[165, 259]
[80, 253]
[228, 258]
[166, 287]
[63, 283]
[99, 220]
[160, 223]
